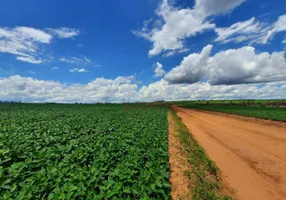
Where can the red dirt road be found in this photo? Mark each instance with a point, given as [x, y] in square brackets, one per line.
[251, 155]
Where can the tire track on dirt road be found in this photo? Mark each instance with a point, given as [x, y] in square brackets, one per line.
[252, 156]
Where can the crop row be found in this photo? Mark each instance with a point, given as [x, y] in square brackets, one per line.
[83, 152]
[271, 113]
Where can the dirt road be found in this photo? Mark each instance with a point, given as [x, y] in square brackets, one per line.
[251, 155]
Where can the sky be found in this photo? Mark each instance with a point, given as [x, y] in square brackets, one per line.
[127, 51]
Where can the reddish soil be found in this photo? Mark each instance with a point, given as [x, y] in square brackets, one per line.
[178, 163]
[250, 153]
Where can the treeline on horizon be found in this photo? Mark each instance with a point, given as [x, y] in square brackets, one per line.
[235, 102]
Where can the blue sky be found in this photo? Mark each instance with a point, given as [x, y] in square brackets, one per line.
[141, 50]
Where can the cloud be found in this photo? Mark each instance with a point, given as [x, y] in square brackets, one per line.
[78, 61]
[24, 42]
[175, 24]
[30, 34]
[241, 31]
[252, 31]
[124, 89]
[278, 26]
[211, 7]
[162, 90]
[159, 72]
[233, 66]
[27, 89]
[54, 68]
[29, 59]
[284, 42]
[32, 72]
[173, 52]
[80, 70]
[63, 32]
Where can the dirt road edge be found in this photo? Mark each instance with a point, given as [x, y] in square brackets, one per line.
[193, 174]
[181, 185]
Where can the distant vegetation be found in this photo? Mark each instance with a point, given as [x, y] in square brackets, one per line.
[265, 109]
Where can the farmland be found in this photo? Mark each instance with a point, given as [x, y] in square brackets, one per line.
[56, 151]
[273, 110]
[140, 151]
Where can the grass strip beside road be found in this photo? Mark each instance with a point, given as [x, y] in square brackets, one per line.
[205, 177]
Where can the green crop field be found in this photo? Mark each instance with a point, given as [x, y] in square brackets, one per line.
[54, 151]
[272, 113]
[105, 151]
[243, 102]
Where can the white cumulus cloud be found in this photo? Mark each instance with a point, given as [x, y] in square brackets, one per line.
[124, 89]
[162, 90]
[159, 71]
[27, 89]
[215, 7]
[233, 66]
[176, 24]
